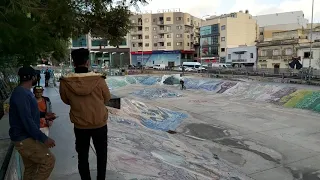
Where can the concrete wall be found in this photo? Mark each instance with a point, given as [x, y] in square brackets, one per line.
[294, 17]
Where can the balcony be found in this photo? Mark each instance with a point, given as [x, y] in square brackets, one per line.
[136, 40]
[161, 47]
[137, 24]
[162, 31]
[160, 22]
[136, 32]
[239, 60]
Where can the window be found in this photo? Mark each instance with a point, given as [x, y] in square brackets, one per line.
[133, 21]
[168, 28]
[188, 19]
[307, 54]
[223, 27]
[251, 55]
[140, 44]
[168, 35]
[146, 45]
[275, 52]
[179, 18]
[179, 35]
[263, 66]
[188, 44]
[288, 51]
[168, 43]
[179, 27]
[155, 37]
[229, 56]
[155, 20]
[261, 33]
[133, 45]
[146, 28]
[188, 36]
[146, 20]
[155, 44]
[223, 38]
[146, 37]
[223, 49]
[155, 28]
[179, 43]
[134, 37]
[168, 19]
[263, 53]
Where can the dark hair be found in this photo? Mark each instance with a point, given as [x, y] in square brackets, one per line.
[80, 56]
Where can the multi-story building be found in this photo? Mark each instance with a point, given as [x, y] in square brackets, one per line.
[279, 51]
[102, 53]
[243, 56]
[168, 37]
[278, 22]
[218, 33]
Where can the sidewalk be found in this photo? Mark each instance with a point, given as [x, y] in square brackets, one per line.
[66, 167]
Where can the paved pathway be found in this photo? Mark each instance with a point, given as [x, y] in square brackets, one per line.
[62, 133]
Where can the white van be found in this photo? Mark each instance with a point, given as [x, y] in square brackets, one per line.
[221, 65]
[196, 66]
[159, 66]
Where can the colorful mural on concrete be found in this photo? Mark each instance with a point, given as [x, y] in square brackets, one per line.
[154, 93]
[281, 94]
[151, 116]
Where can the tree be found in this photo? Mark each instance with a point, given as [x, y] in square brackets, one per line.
[35, 29]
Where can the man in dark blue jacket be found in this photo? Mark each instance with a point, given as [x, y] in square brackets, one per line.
[24, 118]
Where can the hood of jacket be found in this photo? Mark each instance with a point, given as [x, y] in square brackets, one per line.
[82, 83]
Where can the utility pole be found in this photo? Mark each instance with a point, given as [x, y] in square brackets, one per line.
[311, 32]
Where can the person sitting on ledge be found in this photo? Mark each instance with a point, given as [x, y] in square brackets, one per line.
[45, 108]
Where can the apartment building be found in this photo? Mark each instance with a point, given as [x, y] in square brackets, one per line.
[218, 33]
[102, 53]
[168, 37]
[277, 22]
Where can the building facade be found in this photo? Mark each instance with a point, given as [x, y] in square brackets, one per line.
[168, 37]
[218, 33]
[242, 56]
[102, 52]
[303, 51]
[278, 52]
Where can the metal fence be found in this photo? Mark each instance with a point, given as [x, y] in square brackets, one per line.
[8, 81]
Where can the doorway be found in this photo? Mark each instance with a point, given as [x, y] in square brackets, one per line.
[276, 68]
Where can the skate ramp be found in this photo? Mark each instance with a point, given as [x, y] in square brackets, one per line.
[287, 95]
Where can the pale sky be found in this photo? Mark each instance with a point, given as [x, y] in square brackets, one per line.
[201, 8]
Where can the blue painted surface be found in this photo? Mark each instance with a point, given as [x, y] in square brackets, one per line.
[170, 122]
[155, 93]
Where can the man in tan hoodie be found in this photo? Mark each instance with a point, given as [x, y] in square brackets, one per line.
[87, 93]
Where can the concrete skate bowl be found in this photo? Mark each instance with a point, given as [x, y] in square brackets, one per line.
[291, 96]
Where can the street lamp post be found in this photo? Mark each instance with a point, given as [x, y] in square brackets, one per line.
[311, 32]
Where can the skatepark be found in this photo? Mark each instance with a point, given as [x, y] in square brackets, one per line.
[216, 129]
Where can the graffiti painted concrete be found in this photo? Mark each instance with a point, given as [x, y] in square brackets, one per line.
[155, 93]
